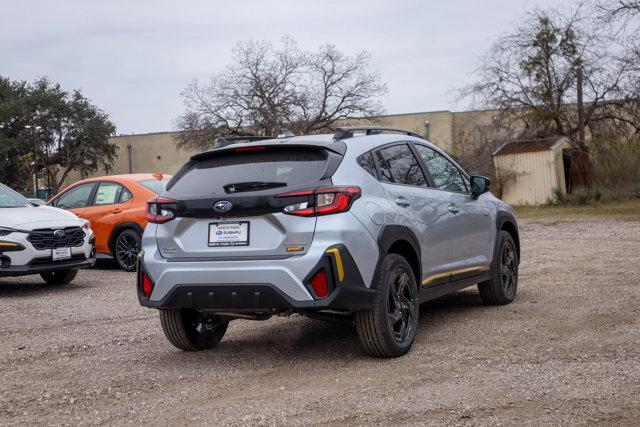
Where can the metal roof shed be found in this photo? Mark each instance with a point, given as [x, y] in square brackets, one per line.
[529, 170]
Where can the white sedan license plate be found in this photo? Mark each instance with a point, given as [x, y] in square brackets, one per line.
[229, 233]
[58, 254]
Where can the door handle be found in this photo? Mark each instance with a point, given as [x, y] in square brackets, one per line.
[115, 211]
[453, 208]
[403, 201]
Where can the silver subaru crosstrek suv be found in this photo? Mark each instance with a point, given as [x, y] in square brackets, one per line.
[362, 226]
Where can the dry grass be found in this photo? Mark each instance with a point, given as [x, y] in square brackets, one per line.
[629, 209]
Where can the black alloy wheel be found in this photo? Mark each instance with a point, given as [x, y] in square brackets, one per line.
[127, 248]
[502, 285]
[508, 267]
[401, 306]
[389, 328]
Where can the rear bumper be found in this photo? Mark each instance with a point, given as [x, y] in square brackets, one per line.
[24, 270]
[348, 291]
[282, 283]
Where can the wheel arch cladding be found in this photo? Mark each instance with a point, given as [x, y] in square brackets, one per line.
[509, 225]
[120, 228]
[400, 240]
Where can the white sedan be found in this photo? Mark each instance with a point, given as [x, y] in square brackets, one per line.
[42, 240]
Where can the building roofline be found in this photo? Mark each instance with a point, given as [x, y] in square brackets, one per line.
[126, 135]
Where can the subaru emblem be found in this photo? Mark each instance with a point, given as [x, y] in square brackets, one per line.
[59, 234]
[222, 206]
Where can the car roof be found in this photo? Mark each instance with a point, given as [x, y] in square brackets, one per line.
[356, 144]
[135, 177]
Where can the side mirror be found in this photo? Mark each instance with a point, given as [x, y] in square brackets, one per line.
[36, 202]
[479, 185]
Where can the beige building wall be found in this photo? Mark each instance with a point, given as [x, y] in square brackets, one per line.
[533, 175]
[435, 126]
[148, 153]
[158, 151]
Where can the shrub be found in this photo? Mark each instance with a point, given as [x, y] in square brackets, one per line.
[578, 197]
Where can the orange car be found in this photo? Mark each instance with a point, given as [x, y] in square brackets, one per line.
[115, 205]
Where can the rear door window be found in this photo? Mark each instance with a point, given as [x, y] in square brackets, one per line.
[236, 172]
[108, 193]
[398, 165]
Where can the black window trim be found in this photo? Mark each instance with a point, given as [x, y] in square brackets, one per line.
[391, 144]
[446, 157]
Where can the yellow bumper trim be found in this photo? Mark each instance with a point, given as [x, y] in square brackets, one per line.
[338, 260]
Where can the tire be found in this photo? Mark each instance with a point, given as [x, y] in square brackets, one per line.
[389, 329]
[189, 330]
[59, 277]
[502, 287]
[126, 248]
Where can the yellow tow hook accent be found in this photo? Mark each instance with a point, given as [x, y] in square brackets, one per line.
[338, 259]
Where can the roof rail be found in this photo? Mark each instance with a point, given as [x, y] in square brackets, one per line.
[223, 141]
[347, 132]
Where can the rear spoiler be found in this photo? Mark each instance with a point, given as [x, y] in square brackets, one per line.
[338, 147]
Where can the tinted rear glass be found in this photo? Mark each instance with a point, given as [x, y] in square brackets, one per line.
[398, 164]
[288, 167]
[155, 185]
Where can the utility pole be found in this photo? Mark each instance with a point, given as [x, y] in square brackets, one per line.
[582, 158]
[581, 141]
[33, 130]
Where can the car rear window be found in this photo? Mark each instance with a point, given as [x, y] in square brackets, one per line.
[155, 185]
[217, 175]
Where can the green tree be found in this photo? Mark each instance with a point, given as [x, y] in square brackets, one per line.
[45, 127]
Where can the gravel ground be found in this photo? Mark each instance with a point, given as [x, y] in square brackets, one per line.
[566, 351]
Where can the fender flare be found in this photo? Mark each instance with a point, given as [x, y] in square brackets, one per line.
[119, 228]
[507, 221]
[391, 234]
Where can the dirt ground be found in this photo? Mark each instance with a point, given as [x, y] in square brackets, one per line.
[566, 351]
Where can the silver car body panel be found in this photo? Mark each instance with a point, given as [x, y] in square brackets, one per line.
[176, 253]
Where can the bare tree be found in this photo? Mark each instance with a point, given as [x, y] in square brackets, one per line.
[531, 76]
[614, 10]
[266, 88]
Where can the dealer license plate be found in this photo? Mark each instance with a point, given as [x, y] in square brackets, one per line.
[59, 254]
[229, 233]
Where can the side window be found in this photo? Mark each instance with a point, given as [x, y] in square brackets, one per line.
[398, 165]
[445, 174]
[366, 162]
[77, 197]
[125, 196]
[108, 193]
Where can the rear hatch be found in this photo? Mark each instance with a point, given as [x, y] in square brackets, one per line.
[227, 205]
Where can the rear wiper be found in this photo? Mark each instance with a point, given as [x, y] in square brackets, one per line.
[238, 187]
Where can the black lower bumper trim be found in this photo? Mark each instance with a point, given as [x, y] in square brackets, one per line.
[25, 270]
[256, 298]
[348, 292]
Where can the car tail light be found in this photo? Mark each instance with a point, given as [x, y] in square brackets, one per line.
[324, 201]
[147, 285]
[160, 210]
[319, 283]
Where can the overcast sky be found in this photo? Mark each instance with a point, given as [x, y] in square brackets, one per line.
[133, 58]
